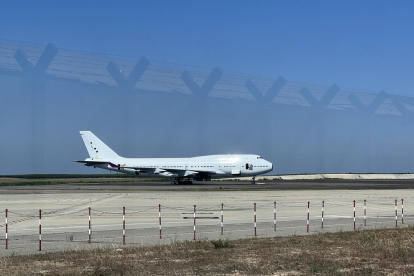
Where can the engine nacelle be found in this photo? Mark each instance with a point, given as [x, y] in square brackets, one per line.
[129, 171]
[166, 174]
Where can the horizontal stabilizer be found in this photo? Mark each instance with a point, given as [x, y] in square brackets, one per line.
[92, 163]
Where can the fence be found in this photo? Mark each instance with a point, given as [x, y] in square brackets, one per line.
[202, 112]
[62, 228]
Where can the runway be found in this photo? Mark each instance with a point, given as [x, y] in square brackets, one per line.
[217, 186]
[65, 211]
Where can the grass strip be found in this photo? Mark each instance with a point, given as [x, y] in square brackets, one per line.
[365, 252]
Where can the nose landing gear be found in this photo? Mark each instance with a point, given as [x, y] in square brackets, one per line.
[180, 180]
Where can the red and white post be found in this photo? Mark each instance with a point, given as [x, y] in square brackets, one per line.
[396, 217]
[123, 225]
[365, 212]
[6, 230]
[274, 216]
[402, 211]
[354, 216]
[255, 233]
[89, 225]
[40, 230]
[307, 221]
[323, 205]
[194, 222]
[159, 218]
[222, 218]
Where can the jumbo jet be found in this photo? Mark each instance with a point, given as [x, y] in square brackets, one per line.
[200, 168]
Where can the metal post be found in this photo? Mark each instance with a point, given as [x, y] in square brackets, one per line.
[365, 212]
[354, 214]
[201, 93]
[194, 222]
[323, 204]
[89, 225]
[274, 216]
[255, 233]
[123, 228]
[264, 100]
[318, 116]
[6, 231]
[37, 76]
[159, 217]
[396, 217]
[307, 222]
[40, 230]
[126, 85]
[222, 219]
[402, 211]
[364, 126]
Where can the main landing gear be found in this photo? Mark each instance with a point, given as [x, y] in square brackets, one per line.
[180, 180]
[253, 180]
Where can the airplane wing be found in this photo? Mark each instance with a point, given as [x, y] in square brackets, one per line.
[180, 172]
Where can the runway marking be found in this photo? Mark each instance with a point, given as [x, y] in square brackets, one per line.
[54, 211]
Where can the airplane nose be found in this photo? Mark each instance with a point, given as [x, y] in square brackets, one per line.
[270, 165]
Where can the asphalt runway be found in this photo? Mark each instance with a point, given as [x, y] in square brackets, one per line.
[218, 186]
[65, 211]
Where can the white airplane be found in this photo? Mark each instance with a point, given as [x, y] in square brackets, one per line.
[196, 168]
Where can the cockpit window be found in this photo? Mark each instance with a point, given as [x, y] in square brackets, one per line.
[259, 157]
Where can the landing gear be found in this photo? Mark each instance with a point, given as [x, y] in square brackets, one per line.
[253, 180]
[180, 180]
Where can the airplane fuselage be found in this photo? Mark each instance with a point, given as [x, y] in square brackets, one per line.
[210, 166]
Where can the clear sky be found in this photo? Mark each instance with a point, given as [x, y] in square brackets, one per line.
[357, 44]
[363, 45]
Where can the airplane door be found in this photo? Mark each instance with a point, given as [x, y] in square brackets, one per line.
[186, 166]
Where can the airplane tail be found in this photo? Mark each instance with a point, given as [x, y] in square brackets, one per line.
[96, 148]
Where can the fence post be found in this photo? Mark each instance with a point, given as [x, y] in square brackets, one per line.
[255, 233]
[365, 212]
[396, 217]
[123, 226]
[89, 225]
[6, 231]
[354, 214]
[194, 222]
[307, 221]
[222, 219]
[402, 211]
[159, 216]
[274, 216]
[40, 230]
[323, 204]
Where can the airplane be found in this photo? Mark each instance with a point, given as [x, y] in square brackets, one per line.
[200, 168]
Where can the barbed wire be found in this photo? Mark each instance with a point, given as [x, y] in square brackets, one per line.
[106, 55]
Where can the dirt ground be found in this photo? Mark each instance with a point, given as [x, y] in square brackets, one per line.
[367, 252]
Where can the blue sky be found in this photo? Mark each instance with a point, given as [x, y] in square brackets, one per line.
[357, 44]
[362, 45]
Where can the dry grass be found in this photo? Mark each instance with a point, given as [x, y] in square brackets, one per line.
[368, 252]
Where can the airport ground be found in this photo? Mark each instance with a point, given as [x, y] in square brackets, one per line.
[13, 185]
[366, 252]
[65, 211]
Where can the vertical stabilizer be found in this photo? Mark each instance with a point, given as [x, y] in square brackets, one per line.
[96, 148]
